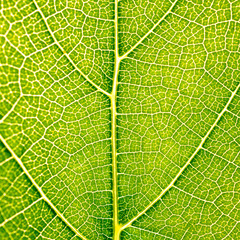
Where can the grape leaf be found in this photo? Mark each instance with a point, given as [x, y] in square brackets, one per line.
[120, 119]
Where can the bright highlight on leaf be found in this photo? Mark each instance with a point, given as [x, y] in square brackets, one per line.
[120, 120]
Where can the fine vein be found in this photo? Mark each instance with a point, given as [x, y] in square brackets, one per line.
[20, 212]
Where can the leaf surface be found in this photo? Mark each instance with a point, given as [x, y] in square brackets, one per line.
[120, 120]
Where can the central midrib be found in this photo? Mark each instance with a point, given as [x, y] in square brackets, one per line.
[116, 226]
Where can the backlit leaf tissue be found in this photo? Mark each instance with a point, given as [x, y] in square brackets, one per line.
[120, 119]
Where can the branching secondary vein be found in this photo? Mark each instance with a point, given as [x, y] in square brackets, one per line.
[70, 60]
[186, 164]
[44, 197]
[150, 31]
[117, 227]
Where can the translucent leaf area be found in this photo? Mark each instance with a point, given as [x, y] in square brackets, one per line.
[120, 119]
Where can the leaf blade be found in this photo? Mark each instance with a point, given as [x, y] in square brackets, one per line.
[104, 134]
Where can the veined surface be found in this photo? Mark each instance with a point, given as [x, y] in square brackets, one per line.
[120, 119]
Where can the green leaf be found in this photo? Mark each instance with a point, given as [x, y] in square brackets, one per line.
[120, 120]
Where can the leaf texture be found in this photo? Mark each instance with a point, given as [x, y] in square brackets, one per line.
[120, 119]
